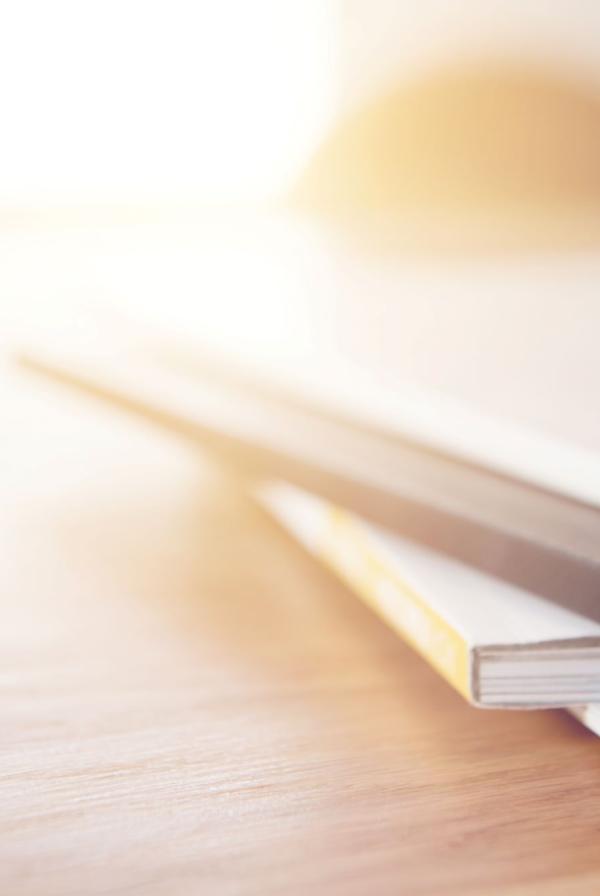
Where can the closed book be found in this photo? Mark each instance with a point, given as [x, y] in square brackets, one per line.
[451, 403]
[498, 645]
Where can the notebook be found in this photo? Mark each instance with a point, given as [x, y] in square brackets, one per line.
[450, 401]
[499, 646]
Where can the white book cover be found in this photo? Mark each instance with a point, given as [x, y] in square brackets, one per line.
[498, 645]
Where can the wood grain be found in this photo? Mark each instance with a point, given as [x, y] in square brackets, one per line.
[191, 705]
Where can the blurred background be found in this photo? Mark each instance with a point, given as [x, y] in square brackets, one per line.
[135, 135]
[136, 104]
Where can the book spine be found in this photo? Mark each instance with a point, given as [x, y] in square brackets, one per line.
[347, 549]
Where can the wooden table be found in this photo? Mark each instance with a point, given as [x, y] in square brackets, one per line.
[190, 705]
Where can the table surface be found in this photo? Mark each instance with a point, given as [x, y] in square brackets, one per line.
[191, 705]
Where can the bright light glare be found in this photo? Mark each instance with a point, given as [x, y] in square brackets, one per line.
[133, 99]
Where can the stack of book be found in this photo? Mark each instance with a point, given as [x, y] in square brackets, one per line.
[433, 439]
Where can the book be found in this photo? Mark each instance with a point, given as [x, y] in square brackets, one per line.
[499, 646]
[505, 520]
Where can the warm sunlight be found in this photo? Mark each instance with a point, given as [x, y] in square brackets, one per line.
[134, 100]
